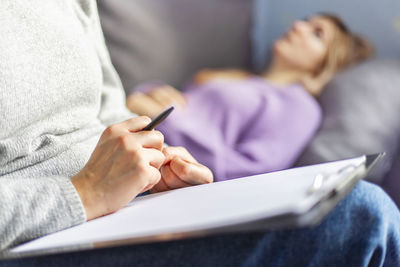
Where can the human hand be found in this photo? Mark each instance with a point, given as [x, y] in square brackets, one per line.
[142, 104]
[167, 96]
[125, 162]
[155, 101]
[180, 169]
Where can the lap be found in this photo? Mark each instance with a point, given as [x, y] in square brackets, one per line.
[356, 232]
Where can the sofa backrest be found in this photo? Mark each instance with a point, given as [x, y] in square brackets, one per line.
[170, 40]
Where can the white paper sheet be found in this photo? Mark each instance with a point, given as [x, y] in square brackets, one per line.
[199, 207]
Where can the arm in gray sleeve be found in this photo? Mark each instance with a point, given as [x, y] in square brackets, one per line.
[33, 207]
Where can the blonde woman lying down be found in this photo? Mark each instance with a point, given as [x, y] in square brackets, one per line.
[240, 124]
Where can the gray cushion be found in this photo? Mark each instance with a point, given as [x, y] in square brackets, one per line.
[170, 40]
[361, 116]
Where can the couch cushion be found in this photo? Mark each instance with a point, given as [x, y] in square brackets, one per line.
[170, 40]
[361, 116]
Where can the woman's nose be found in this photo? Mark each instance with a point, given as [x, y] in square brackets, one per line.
[300, 25]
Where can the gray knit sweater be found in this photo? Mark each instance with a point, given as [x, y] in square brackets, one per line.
[58, 91]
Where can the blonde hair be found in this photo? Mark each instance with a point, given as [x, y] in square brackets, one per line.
[346, 48]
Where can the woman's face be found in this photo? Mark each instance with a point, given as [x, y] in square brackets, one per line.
[305, 45]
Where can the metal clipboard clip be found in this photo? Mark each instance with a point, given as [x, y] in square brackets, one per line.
[350, 171]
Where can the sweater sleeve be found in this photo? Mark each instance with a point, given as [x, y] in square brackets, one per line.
[37, 205]
[32, 207]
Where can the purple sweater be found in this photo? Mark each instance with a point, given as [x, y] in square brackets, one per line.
[240, 128]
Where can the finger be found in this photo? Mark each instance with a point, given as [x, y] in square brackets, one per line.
[172, 151]
[160, 187]
[146, 189]
[154, 157]
[168, 96]
[191, 173]
[153, 179]
[171, 180]
[176, 96]
[162, 96]
[149, 139]
[135, 124]
[143, 104]
[120, 129]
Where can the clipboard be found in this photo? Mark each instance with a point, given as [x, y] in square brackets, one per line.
[330, 183]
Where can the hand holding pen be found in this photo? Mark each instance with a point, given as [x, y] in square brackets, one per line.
[130, 159]
[125, 162]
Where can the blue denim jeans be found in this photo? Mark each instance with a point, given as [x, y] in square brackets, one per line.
[363, 230]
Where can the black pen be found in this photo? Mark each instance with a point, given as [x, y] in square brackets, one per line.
[157, 120]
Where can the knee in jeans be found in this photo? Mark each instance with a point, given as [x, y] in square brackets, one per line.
[371, 204]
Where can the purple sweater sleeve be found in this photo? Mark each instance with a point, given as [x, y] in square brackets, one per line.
[244, 128]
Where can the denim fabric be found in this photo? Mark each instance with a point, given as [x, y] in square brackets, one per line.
[363, 230]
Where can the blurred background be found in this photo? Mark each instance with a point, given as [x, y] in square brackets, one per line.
[170, 40]
[148, 37]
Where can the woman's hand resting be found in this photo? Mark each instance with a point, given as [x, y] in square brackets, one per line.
[127, 161]
[155, 101]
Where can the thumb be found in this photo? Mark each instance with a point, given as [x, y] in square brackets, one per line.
[136, 124]
[190, 172]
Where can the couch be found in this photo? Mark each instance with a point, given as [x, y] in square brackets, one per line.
[171, 40]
